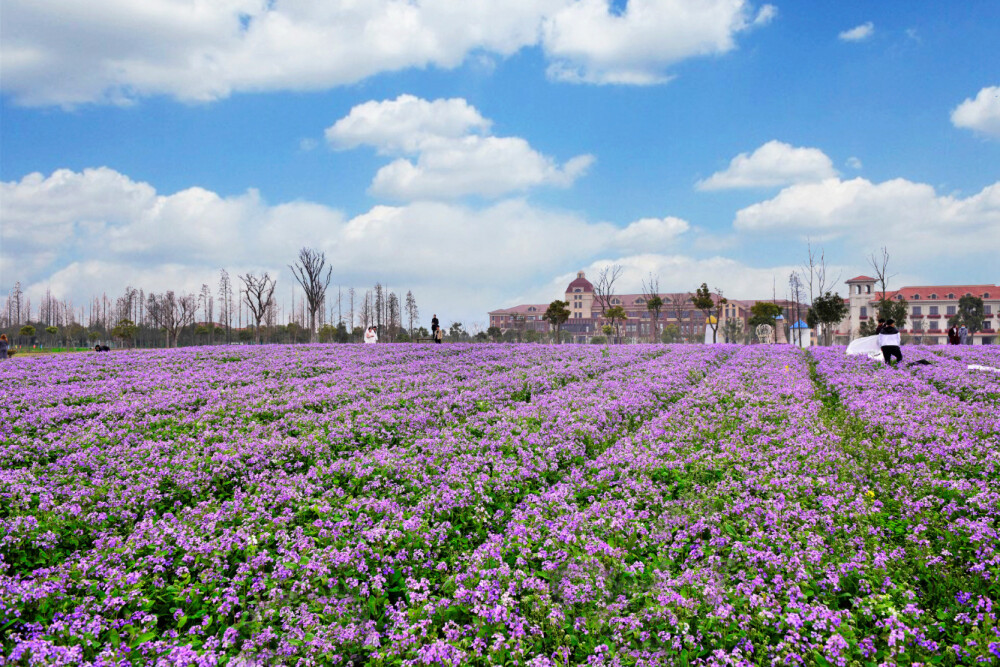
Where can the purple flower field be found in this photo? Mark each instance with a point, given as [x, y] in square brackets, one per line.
[500, 504]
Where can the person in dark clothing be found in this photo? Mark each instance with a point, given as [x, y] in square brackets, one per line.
[439, 335]
[434, 324]
[888, 340]
[881, 325]
[4, 346]
[953, 338]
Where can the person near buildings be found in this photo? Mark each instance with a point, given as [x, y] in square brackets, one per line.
[953, 338]
[4, 347]
[963, 335]
[881, 325]
[889, 341]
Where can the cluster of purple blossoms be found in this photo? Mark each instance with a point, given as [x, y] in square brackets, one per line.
[486, 504]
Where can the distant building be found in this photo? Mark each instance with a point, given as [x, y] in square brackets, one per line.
[585, 314]
[928, 310]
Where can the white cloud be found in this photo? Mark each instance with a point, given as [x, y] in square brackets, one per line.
[406, 124]
[650, 234]
[96, 231]
[905, 215]
[854, 162]
[588, 43]
[773, 164]
[65, 52]
[858, 33]
[454, 156]
[981, 114]
[677, 273]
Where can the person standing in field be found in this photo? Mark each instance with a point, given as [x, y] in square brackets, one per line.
[963, 335]
[4, 346]
[953, 336]
[434, 326]
[439, 335]
[889, 341]
[371, 335]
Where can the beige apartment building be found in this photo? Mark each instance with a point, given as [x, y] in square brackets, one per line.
[928, 310]
[585, 314]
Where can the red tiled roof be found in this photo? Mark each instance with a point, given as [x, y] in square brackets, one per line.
[582, 283]
[861, 279]
[942, 292]
[522, 309]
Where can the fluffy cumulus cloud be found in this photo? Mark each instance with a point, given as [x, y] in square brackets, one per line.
[981, 114]
[588, 42]
[773, 164]
[83, 233]
[899, 213]
[650, 234]
[858, 33]
[448, 151]
[67, 52]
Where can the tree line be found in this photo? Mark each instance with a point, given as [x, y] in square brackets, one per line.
[240, 310]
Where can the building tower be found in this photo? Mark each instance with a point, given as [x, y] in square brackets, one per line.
[861, 292]
[580, 297]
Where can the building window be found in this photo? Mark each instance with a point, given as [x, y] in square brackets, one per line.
[916, 297]
[640, 301]
[951, 296]
[917, 310]
[868, 289]
[987, 326]
[933, 296]
[951, 310]
[934, 310]
[864, 311]
[988, 309]
[986, 295]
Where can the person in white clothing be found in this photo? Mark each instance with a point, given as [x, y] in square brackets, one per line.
[371, 335]
[888, 340]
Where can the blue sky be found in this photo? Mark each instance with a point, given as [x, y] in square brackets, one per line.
[481, 153]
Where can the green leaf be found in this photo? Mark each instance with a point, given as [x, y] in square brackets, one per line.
[142, 639]
[114, 638]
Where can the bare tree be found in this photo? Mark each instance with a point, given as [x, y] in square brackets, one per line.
[795, 286]
[412, 313]
[257, 294]
[226, 301]
[379, 308]
[604, 288]
[816, 273]
[205, 301]
[309, 273]
[350, 304]
[366, 316]
[392, 317]
[171, 313]
[677, 303]
[654, 304]
[880, 266]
